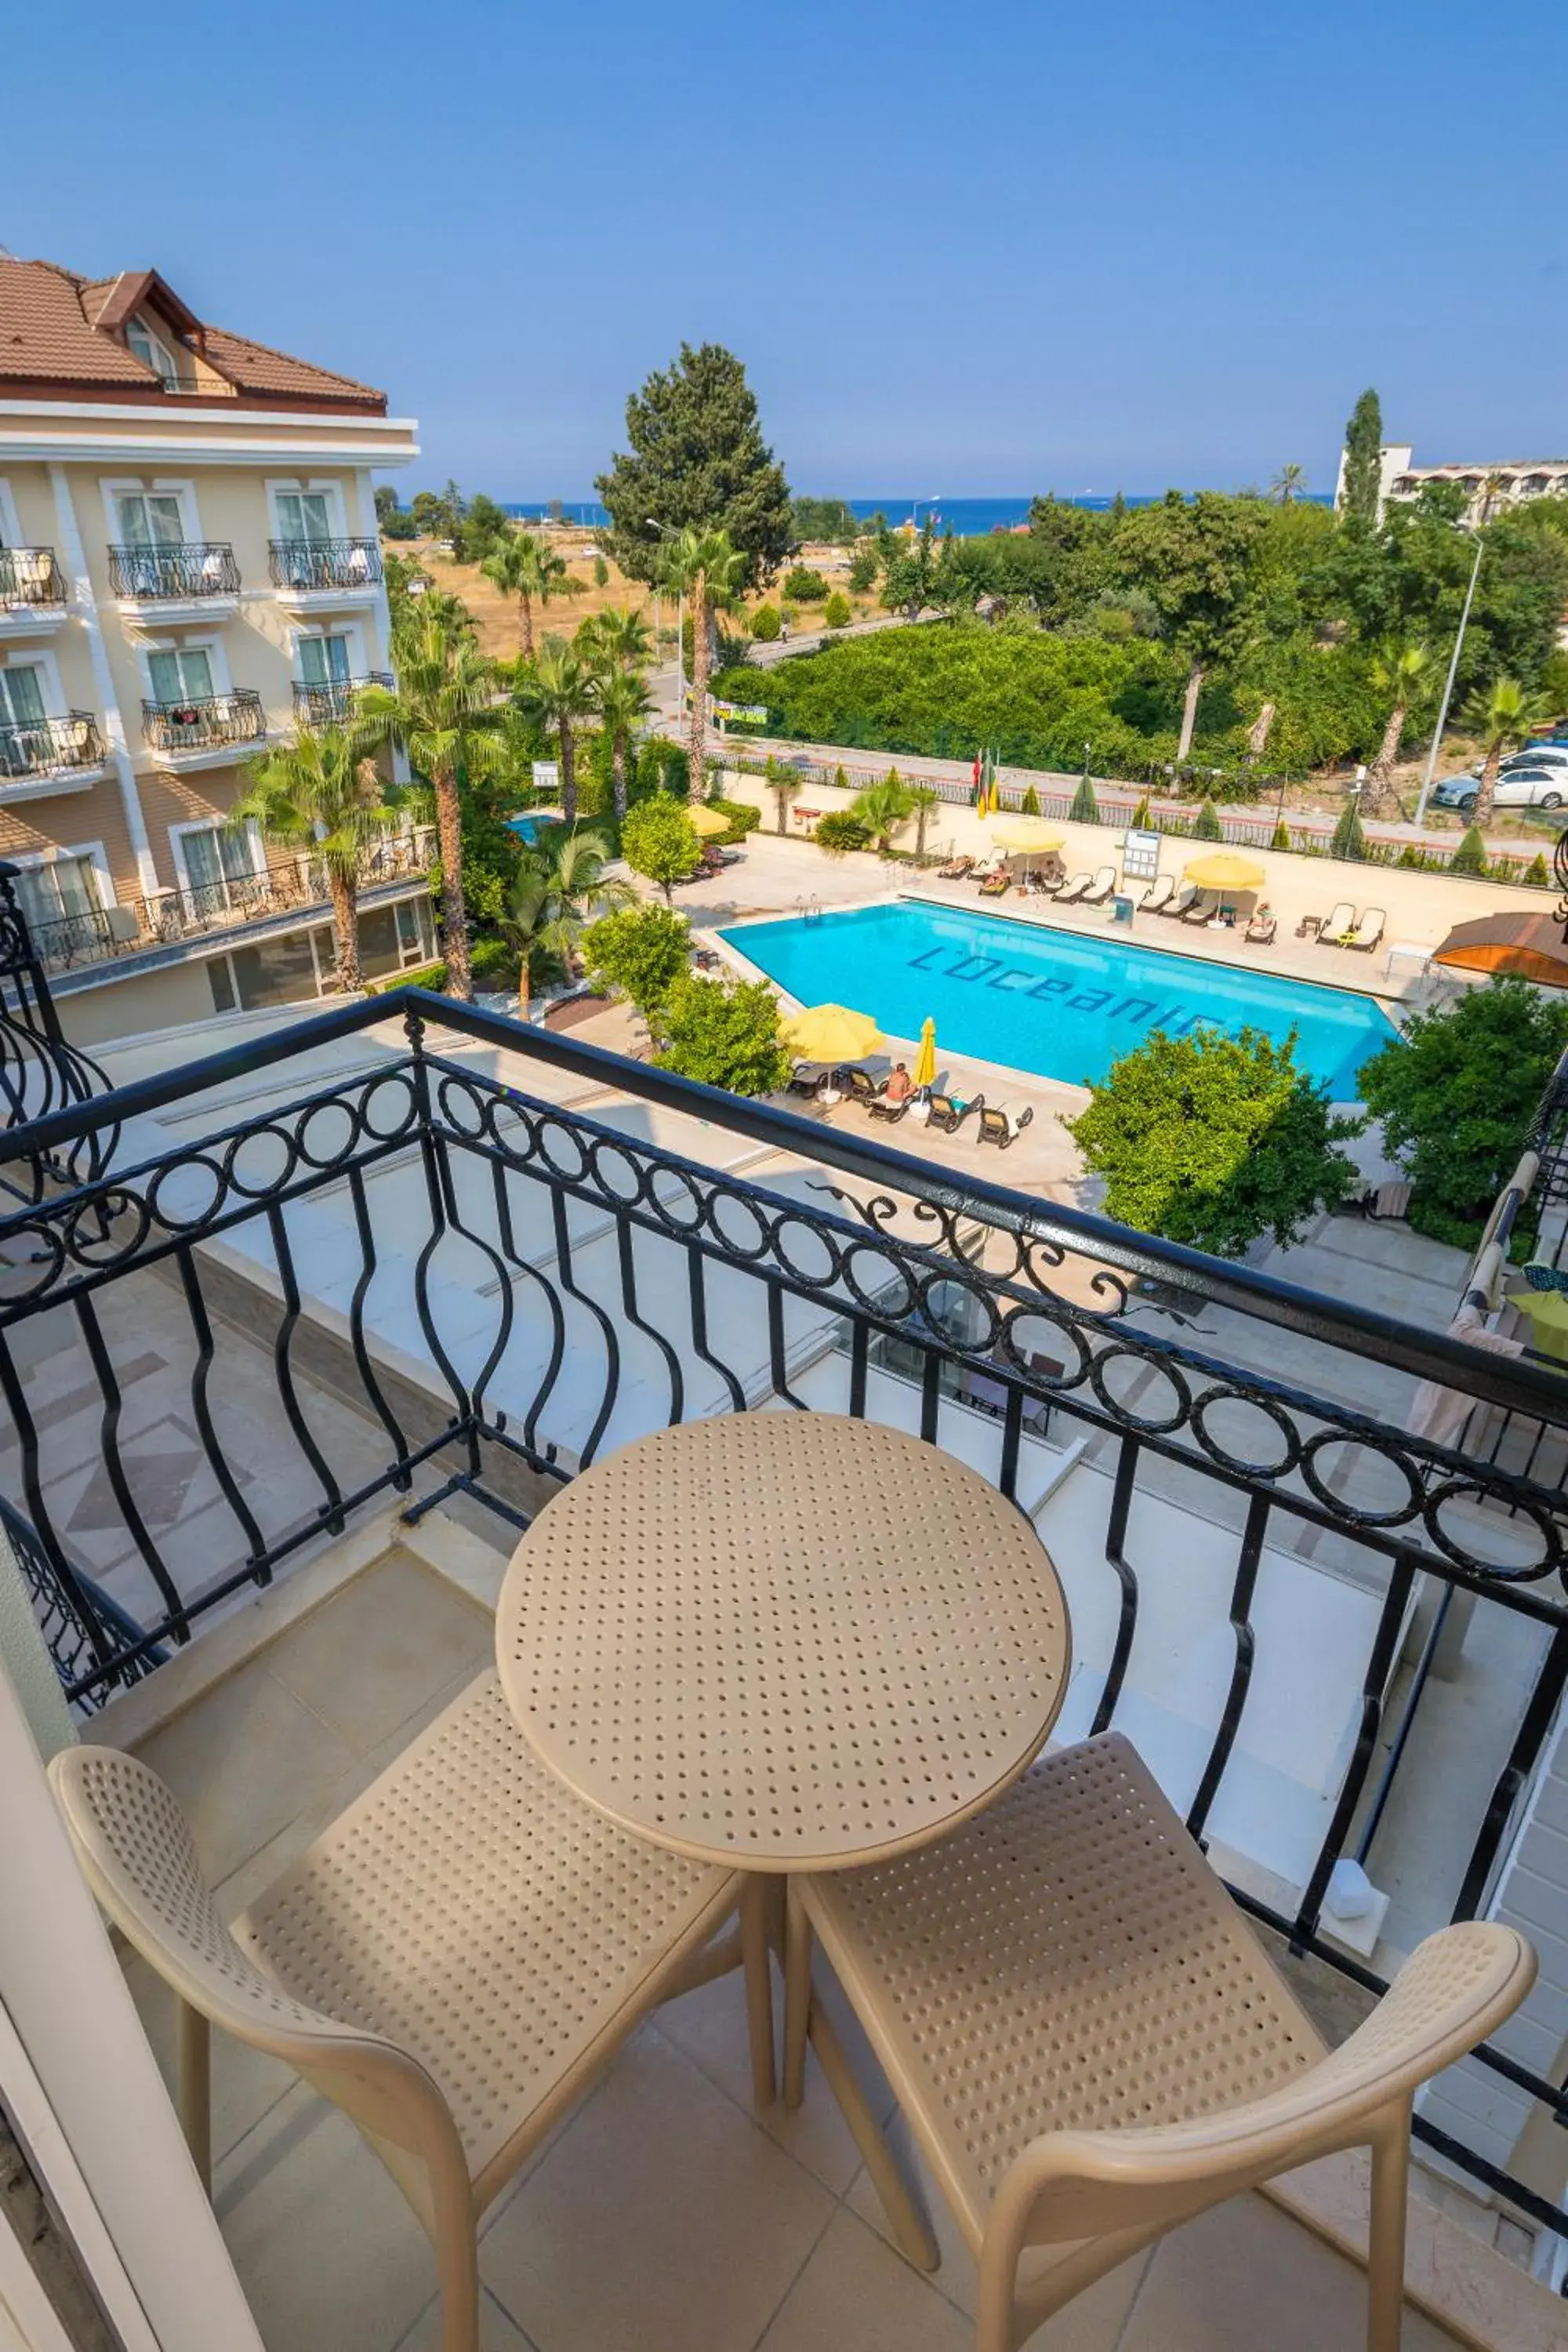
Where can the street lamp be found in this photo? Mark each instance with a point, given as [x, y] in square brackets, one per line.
[1448, 688]
[667, 531]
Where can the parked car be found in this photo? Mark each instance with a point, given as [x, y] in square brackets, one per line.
[1549, 754]
[1534, 785]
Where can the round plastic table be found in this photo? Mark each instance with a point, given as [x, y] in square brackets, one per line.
[782, 1640]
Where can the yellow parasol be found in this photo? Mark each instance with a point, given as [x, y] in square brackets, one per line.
[925, 1060]
[1547, 1313]
[830, 1033]
[1025, 833]
[1223, 870]
[708, 822]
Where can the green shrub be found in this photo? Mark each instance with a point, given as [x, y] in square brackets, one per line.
[836, 612]
[426, 975]
[838, 832]
[638, 953]
[601, 572]
[1140, 815]
[1282, 834]
[840, 778]
[803, 586]
[743, 818]
[659, 842]
[1471, 858]
[1349, 840]
[1207, 825]
[724, 1033]
[765, 624]
[863, 573]
[1085, 809]
[1031, 803]
[1535, 875]
[494, 963]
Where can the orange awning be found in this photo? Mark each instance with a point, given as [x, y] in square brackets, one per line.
[1532, 946]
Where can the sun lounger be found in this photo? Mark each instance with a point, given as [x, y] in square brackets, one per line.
[1000, 1127]
[863, 1089]
[1202, 908]
[1099, 890]
[1368, 931]
[1158, 896]
[1260, 930]
[997, 887]
[1073, 889]
[807, 1079]
[1338, 924]
[1187, 896]
[956, 871]
[892, 1112]
[947, 1115]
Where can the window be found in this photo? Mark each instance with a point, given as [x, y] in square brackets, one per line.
[22, 695]
[154, 352]
[304, 515]
[149, 519]
[324, 661]
[181, 677]
[55, 891]
[220, 860]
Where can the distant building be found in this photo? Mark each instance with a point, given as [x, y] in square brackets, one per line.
[1511, 484]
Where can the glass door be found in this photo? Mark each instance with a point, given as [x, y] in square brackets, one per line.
[149, 519]
[220, 867]
[24, 732]
[303, 515]
[181, 678]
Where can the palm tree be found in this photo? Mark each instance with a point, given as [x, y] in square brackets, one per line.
[615, 639]
[524, 567]
[711, 571]
[323, 793]
[785, 785]
[883, 807]
[623, 702]
[442, 714]
[559, 887]
[1288, 483]
[559, 690]
[1502, 715]
[1397, 669]
[922, 799]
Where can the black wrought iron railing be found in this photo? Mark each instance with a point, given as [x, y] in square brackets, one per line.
[30, 578]
[48, 746]
[177, 574]
[328, 703]
[207, 723]
[306, 565]
[40, 1073]
[99, 934]
[507, 1285]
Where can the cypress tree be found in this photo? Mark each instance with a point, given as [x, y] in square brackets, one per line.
[1364, 460]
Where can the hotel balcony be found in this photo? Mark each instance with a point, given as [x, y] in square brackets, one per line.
[50, 755]
[216, 722]
[306, 1333]
[326, 572]
[329, 704]
[33, 592]
[199, 578]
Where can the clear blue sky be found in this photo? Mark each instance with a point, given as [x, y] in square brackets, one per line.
[966, 249]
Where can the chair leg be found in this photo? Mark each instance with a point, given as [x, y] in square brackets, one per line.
[1386, 2237]
[909, 2224]
[195, 2078]
[797, 1996]
[757, 1907]
[457, 2261]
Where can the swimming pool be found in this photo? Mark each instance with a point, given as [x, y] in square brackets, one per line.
[531, 826]
[1052, 1002]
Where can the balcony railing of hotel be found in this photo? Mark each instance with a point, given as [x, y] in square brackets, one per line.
[175, 575]
[30, 579]
[101, 934]
[517, 1284]
[209, 723]
[328, 704]
[313, 563]
[45, 746]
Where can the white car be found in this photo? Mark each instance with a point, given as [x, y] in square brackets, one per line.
[1534, 784]
[1542, 755]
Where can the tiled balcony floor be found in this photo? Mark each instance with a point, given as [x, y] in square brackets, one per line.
[663, 2216]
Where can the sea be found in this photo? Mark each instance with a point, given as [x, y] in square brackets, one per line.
[965, 517]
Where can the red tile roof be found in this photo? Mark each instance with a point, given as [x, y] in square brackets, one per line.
[66, 333]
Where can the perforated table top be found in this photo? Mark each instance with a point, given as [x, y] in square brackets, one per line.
[783, 1641]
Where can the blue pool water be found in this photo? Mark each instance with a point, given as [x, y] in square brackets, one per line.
[1049, 1001]
[529, 827]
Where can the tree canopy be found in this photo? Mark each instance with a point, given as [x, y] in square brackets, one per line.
[725, 1032]
[659, 842]
[639, 953]
[1215, 1141]
[1364, 460]
[697, 459]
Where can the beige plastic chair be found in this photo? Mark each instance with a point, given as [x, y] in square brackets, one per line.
[1091, 2045]
[451, 1963]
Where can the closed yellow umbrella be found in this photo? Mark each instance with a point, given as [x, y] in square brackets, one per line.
[1025, 833]
[831, 1033]
[708, 822]
[1223, 870]
[925, 1060]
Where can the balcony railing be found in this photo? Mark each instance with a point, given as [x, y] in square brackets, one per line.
[47, 747]
[509, 1285]
[175, 575]
[103, 934]
[30, 579]
[307, 564]
[328, 704]
[206, 724]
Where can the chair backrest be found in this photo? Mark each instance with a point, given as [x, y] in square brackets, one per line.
[1340, 918]
[1374, 920]
[1454, 1990]
[1105, 880]
[137, 1855]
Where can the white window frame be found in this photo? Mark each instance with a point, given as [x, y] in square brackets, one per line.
[10, 520]
[214, 824]
[207, 641]
[328, 485]
[93, 851]
[166, 365]
[40, 658]
[179, 485]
